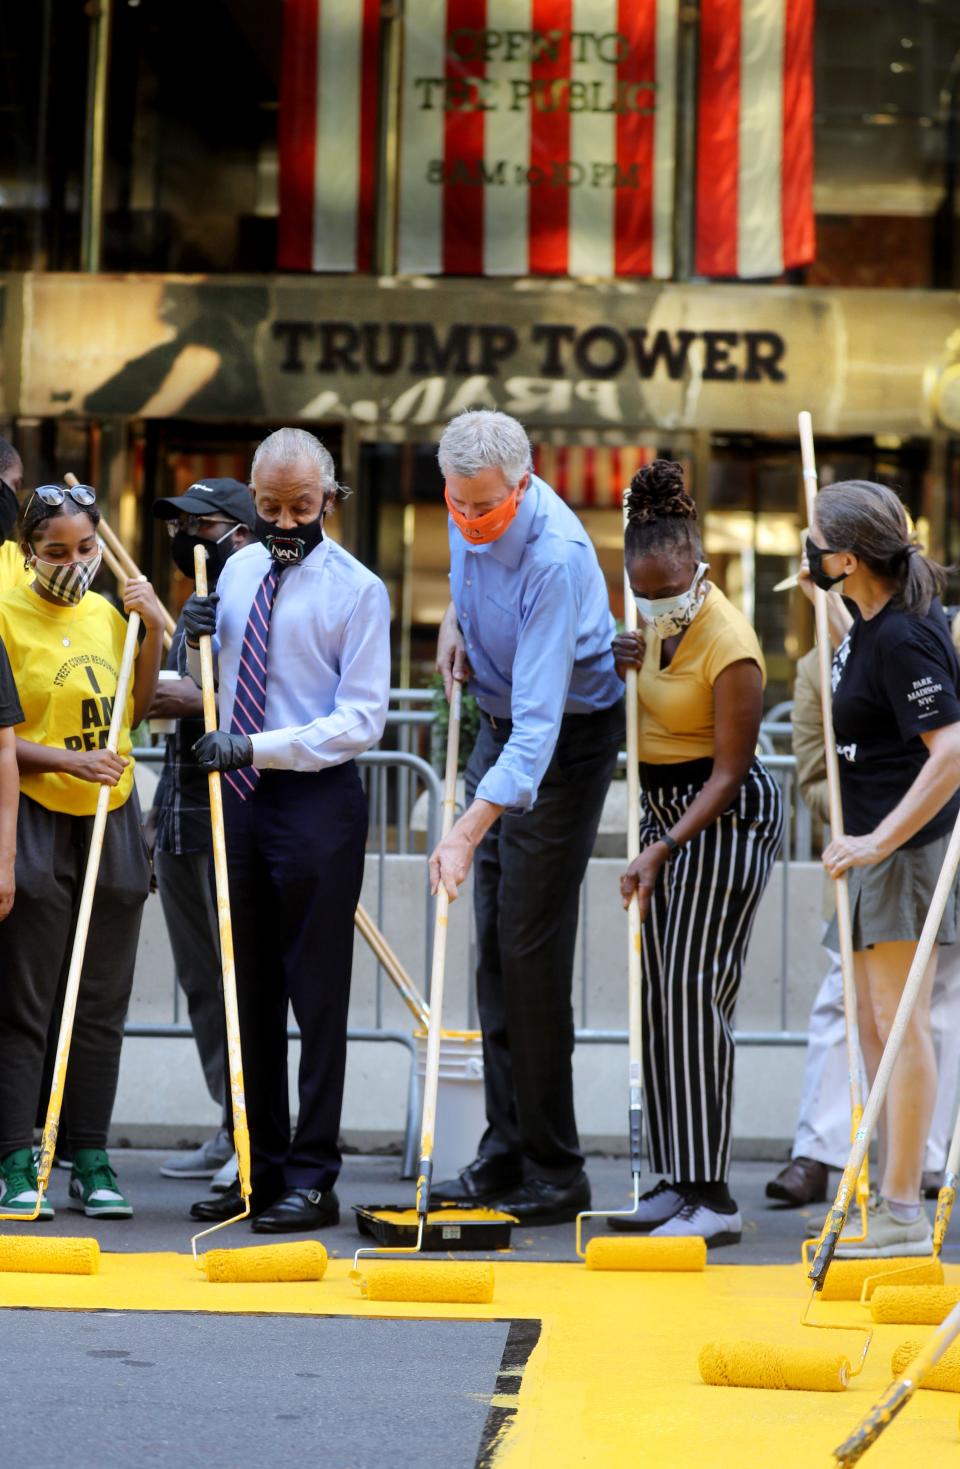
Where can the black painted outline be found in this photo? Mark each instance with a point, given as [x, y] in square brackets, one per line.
[522, 1337]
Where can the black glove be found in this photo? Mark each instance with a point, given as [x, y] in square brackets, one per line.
[222, 751]
[200, 616]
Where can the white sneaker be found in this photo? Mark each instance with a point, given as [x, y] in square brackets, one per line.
[888, 1236]
[657, 1205]
[225, 1177]
[696, 1218]
[202, 1162]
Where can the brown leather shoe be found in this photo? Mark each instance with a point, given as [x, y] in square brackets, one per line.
[803, 1181]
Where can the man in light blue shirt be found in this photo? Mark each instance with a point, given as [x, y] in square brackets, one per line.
[529, 626]
[302, 630]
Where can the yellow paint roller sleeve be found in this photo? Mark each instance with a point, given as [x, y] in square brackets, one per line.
[757, 1364]
[300, 1260]
[944, 1376]
[49, 1256]
[847, 1280]
[457, 1282]
[609, 1253]
[66, 661]
[916, 1305]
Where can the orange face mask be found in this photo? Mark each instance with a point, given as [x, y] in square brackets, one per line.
[483, 529]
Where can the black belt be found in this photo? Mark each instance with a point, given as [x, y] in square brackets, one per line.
[676, 773]
[499, 721]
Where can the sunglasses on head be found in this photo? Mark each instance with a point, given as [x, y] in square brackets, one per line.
[52, 495]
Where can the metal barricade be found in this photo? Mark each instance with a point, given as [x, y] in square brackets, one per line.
[392, 779]
[794, 846]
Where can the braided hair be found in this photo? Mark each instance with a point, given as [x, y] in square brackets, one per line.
[661, 515]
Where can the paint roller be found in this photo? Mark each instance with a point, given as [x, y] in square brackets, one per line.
[924, 1305]
[943, 1376]
[841, 890]
[916, 1294]
[299, 1260]
[758, 1364]
[607, 1252]
[72, 1256]
[918, 1367]
[386, 1275]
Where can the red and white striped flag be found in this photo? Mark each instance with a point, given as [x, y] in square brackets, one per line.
[328, 134]
[537, 137]
[755, 138]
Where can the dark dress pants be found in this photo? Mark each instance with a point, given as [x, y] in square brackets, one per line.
[526, 886]
[295, 858]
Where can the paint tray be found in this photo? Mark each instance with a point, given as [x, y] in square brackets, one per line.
[448, 1226]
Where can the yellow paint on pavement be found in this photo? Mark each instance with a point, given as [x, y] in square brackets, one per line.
[613, 1379]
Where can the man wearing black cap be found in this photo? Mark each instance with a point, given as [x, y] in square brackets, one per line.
[218, 514]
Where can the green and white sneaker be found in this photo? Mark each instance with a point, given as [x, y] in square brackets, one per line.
[18, 1186]
[93, 1186]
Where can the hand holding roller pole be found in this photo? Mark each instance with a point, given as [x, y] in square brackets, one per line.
[844, 926]
[241, 1134]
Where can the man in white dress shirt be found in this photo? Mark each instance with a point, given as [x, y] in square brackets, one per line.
[303, 637]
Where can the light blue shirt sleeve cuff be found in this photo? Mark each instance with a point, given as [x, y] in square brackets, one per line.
[188, 661]
[271, 750]
[502, 788]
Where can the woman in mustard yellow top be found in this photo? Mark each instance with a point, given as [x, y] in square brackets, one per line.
[710, 830]
[65, 643]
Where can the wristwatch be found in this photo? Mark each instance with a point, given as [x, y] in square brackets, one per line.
[671, 846]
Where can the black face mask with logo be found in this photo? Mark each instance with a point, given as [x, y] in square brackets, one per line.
[289, 547]
[8, 511]
[218, 553]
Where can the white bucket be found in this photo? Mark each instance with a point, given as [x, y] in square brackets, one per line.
[461, 1110]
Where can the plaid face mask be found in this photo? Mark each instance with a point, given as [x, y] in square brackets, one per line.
[67, 581]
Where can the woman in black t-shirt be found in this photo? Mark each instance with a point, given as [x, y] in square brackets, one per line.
[896, 714]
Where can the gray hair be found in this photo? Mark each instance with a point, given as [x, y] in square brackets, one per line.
[292, 446]
[480, 439]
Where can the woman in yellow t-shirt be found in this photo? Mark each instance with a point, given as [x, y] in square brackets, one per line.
[65, 643]
[710, 830]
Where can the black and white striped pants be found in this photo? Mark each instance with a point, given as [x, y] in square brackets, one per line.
[694, 945]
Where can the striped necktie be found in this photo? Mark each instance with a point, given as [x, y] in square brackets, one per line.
[250, 696]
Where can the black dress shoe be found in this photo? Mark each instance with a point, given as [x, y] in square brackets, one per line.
[803, 1181]
[224, 1206]
[300, 1210]
[540, 1202]
[481, 1182]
